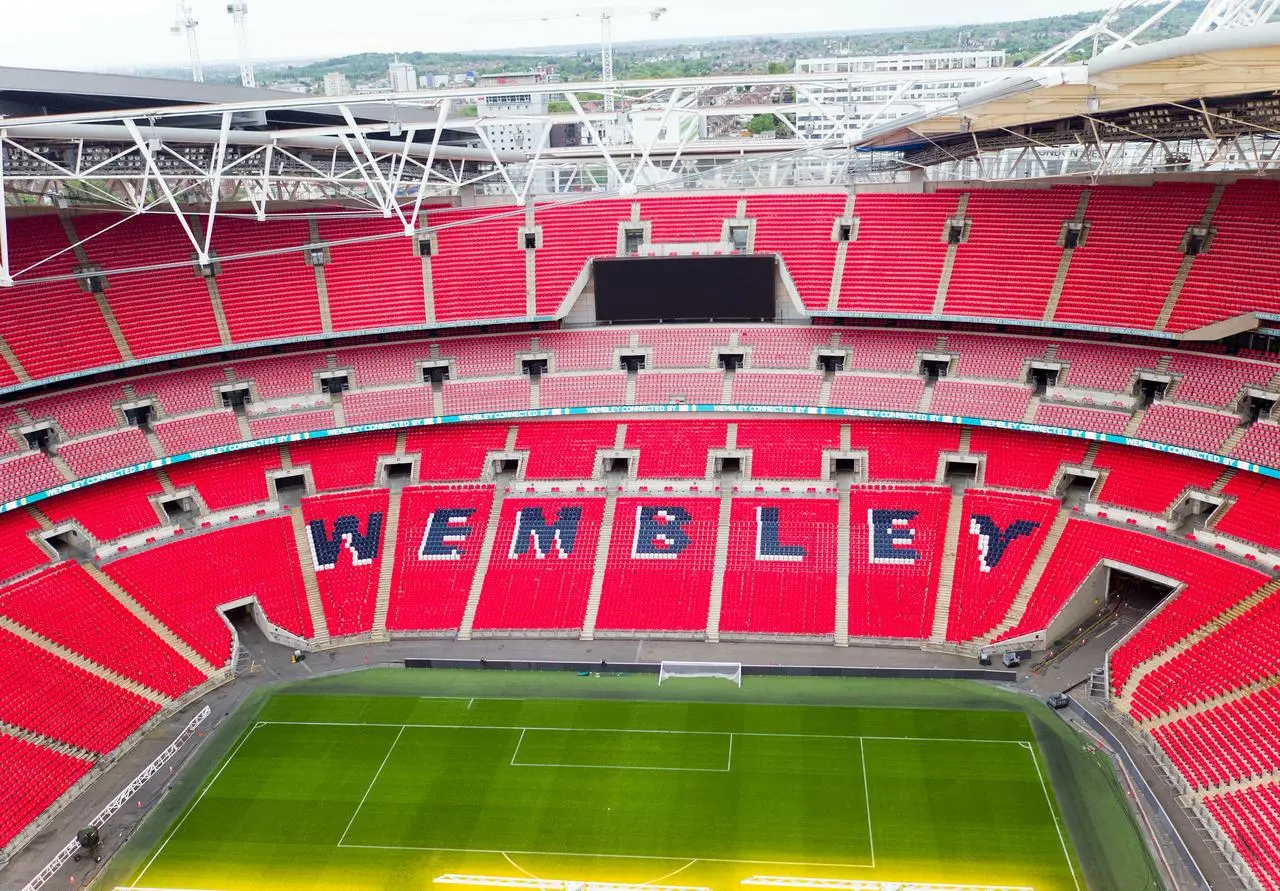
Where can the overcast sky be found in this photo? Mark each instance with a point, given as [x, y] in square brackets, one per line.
[118, 34]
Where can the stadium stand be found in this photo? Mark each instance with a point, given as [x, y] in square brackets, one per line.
[32, 777]
[1233, 741]
[252, 559]
[867, 391]
[788, 449]
[799, 227]
[1201, 430]
[572, 234]
[298, 422]
[1000, 536]
[784, 347]
[1023, 460]
[564, 450]
[345, 532]
[385, 266]
[438, 549]
[902, 450]
[688, 220]
[692, 387]
[1005, 401]
[777, 387]
[674, 451]
[589, 350]
[281, 376]
[1074, 417]
[27, 473]
[1095, 366]
[227, 481]
[492, 245]
[782, 596]
[145, 302]
[1149, 481]
[1260, 444]
[1130, 255]
[385, 364]
[64, 605]
[271, 296]
[78, 412]
[372, 406]
[1249, 818]
[895, 541]
[997, 358]
[542, 581]
[562, 391]
[1253, 515]
[347, 462]
[1216, 380]
[1007, 266]
[686, 347]
[485, 356]
[110, 510]
[454, 452]
[658, 574]
[196, 432]
[106, 451]
[18, 551]
[904, 233]
[183, 391]
[498, 394]
[41, 693]
[887, 350]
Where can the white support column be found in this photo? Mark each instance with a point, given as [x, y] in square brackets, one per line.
[657, 131]
[502, 168]
[412, 223]
[6, 278]
[132, 126]
[215, 180]
[386, 196]
[586, 122]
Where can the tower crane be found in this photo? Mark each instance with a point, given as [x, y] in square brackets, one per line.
[183, 20]
[239, 10]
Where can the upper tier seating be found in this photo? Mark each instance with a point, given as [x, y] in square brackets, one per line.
[1202, 430]
[692, 387]
[1074, 417]
[1002, 358]
[385, 267]
[1260, 444]
[493, 245]
[1097, 366]
[347, 579]
[590, 350]
[893, 596]
[106, 451]
[994, 553]
[674, 451]
[1240, 270]
[562, 391]
[1007, 267]
[198, 432]
[501, 394]
[37, 319]
[258, 559]
[904, 450]
[788, 449]
[438, 548]
[64, 605]
[146, 303]
[348, 462]
[388, 405]
[27, 473]
[887, 350]
[32, 778]
[541, 582]
[688, 220]
[658, 574]
[43, 694]
[1216, 380]
[1005, 401]
[18, 551]
[564, 450]
[1149, 481]
[1023, 460]
[902, 233]
[783, 347]
[777, 388]
[1250, 818]
[765, 595]
[799, 227]
[87, 410]
[572, 234]
[265, 297]
[1130, 255]
[866, 391]
[1236, 740]
[294, 423]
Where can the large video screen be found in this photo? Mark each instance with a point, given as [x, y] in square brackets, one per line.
[735, 288]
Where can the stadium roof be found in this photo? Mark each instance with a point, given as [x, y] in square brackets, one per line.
[1218, 79]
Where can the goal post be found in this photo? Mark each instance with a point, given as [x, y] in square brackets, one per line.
[730, 671]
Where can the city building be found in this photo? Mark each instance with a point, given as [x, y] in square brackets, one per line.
[402, 77]
[523, 135]
[909, 83]
[336, 84]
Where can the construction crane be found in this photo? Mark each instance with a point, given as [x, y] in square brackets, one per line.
[183, 20]
[239, 9]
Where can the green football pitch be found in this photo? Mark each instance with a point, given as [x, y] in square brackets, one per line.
[340, 791]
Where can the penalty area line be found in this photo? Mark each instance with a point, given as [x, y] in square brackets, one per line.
[385, 759]
[1054, 814]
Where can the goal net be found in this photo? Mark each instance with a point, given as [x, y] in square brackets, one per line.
[731, 671]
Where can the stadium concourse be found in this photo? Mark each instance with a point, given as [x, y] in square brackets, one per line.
[800, 480]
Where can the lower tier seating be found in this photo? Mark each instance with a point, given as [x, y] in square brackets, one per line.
[1251, 820]
[1233, 741]
[32, 777]
[345, 532]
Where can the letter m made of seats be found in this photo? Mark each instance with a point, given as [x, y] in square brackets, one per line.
[327, 546]
[535, 535]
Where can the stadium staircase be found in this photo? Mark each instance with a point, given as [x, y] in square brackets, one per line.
[1135, 421]
[602, 559]
[718, 567]
[99, 297]
[947, 571]
[315, 606]
[486, 554]
[47, 742]
[948, 264]
[1229, 445]
[1221, 483]
[11, 360]
[161, 630]
[1240, 785]
[79, 661]
[1125, 700]
[1064, 264]
[387, 562]
[1019, 606]
[1184, 268]
[842, 555]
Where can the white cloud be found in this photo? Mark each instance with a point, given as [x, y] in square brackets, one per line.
[90, 34]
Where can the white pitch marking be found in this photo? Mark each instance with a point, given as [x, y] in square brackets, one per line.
[729, 764]
[866, 791]
[672, 858]
[385, 759]
[1053, 813]
[196, 803]
[518, 744]
[471, 702]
